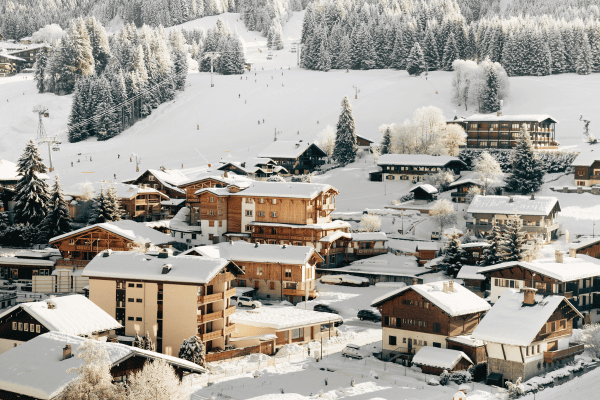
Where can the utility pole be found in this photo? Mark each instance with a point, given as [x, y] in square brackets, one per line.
[138, 161]
[356, 92]
[213, 55]
[41, 134]
[297, 44]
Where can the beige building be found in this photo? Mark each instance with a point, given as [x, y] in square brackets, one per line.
[170, 298]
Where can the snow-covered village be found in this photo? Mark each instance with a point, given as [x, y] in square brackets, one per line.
[299, 199]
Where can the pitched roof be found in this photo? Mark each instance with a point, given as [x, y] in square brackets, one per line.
[179, 223]
[522, 205]
[585, 160]
[459, 302]
[571, 269]
[284, 189]
[282, 317]
[509, 118]
[36, 368]
[125, 228]
[250, 252]
[421, 160]
[232, 179]
[123, 191]
[74, 315]
[287, 149]
[426, 187]
[368, 236]
[170, 178]
[439, 358]
[510, 322]
[134, 265]
[470, 272]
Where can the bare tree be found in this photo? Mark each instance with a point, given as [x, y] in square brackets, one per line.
[487, 170]
[443, 213]
[370, 223]
[326, 140]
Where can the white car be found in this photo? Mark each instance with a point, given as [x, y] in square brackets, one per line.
[248, 302]
[352, 350]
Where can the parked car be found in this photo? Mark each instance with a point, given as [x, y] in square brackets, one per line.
[9, 287]
[369, 315]
[327, 309]
[353, 351]
[27, 288]
[248, 302]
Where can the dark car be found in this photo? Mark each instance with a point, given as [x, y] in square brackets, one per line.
[369, 315]
[330, 310]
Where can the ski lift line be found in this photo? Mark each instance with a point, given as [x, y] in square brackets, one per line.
[201, 155]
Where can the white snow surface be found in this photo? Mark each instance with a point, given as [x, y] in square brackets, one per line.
[387, 264]
[123, 191]
[134, 265]
[509, 322]
[170, 178]
[8, 171]
[460, 302]
[285, 149]
[280, 318]
[332, 237]
[74, 315]
[522, 205]
[516, 117]
[180, 222]
[126, 228]
[470, 272]
[585, 160]
[440, 358]
[421, 160]
[368, 236]
[283, 189]
[426, 187]
[248, 252]
[335, 279]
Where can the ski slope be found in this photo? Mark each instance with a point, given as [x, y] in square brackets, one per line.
[296, 103]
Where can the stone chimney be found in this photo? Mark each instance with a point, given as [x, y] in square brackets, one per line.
[528, 296]
[558, 256]
[51, 305]
[166, 269]
[445, 287]
[573, 253]
[67, 352]
[415, 281]
[225, 174]
[451, 287]
[532, 196]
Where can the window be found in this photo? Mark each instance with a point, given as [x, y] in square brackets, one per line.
[297, 333]
[71, 241]
[181, 235]
[552, 326]
[272, 286]
[129, 300]
[129, 318]
[390, 177]
[424, 342]
[249, 200]
[562, 324]
[274, 201]
[437, 327]
[259, 270]
[211, 236]
[138, 300]
[37, 329]
[139, 285]
[274, 214]
[130, 285]
[392, 340]
[138, 318]
[212, 200]
[398, 322]
[256, 284]
[25, 327]
[261, 200]
[403, 340]
[242, 283]
[211, 223]
[211, 212]
[288, 272]
[248, 228]
[248, 213]
[20, 326]
[194, 236]
[543, 330]
[515, 127]
[386, 321]
[436, 344]
[220, 223]
[261, 213]
[580, 173]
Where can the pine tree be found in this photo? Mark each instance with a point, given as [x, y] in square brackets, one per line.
[41, 59]
[490, 101]
[455, 256]
[106, 207]
[57, 221]
[193, 350]
[430, 49]
[31, 197]
[346, 146]
[415, 63]
[399, 54]
[106, 125]
[99, 44]
[386, 142]
[491, 253]
[527, 169]
[323, 62]
[343, 61]
[513, 239]
[451, 53]
[583, 64]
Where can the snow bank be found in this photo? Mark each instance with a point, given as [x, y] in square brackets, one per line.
[337, 279]
[291, 348]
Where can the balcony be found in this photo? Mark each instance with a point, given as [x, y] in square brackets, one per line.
[458, 194]
[479, 227]
[228, 311]
[366, 252]
[336, 250]
[211, 335]
[575, 349]
[229, 329]
[299, 292]
[210, 316]
[230, 292]
[210, 298]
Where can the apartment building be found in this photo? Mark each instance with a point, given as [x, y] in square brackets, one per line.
[426, 315]
[170, 298]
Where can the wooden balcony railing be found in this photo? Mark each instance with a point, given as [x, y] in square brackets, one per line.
[299, 292]
[211, 335]
[210, 298]
[573, 350]
[229, 329]
[228, 311]
[363, 252]
[210, 317]
[230, 292]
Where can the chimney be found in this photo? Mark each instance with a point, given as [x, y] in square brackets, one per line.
[297, 145]
[511, 200]
[244, 164]
[451, 287]
[225, 174]
[573, 253]
[283, 246]
[558, 256]
[445, 288]
[415, 281]
[499, 113]
[163, 253]
[231, 242]
[51, 305]
[209, 165]
[166, 269]
[528, 296]
[67, 352]
[106, 253]
[528, 257]
[532, 196]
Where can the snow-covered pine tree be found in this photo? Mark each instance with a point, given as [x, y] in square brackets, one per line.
[323, 59]
[557, 51]
[451, 53]
[415, 63]
[490, 101]
[541, 61]
[31, 191]
[455, 256]
[41, 59]
[583, 64]
[491, 253]
[343, 61]
[399, 54]
[57, 220]
[193, 350]
[106, 125]
[386, 142]
[99, 44]
[527, 174]
[75, 58]
[106, 207]
[346, 146]
[430, 48]
[513, 239]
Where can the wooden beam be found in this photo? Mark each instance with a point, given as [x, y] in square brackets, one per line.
[521, 353]
[503, 352]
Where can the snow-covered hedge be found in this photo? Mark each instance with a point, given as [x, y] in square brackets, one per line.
[556, 161]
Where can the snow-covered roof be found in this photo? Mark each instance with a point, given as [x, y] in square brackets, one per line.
[470, 272]
[364, 138]
[214, 190]
[368, 236]
[13, 260]
[11, 57]
[336, 224]
[74, 314]
[522, 205]
[123, 191]
[231, 179]
[585, 160]
[459, 302]
[284, 189]
[426, 187]
[134, 265]
[125, 228]
[582, 243]
[287, 149]
[571, 269]
[510, 322]
[170, 178]
[248, 165]
[420, 160]
[427, 246]
[8, 171]
[509, 118]
[466, 340]
[36, 368]
[385, 264]
[357, 280]
[474, 244]
[439, 358]
[240, 251]
[332, 237]
[280, 318]
[180, 222]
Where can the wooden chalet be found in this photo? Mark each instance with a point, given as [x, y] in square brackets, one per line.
[497, 131]
[426, 251]
[527, 334]
[256, 168]
[434, 360]
[414, 167]
[26, 264]
[296, 157]
[424, 193]
[424, 315]
[589, 247]
[29, 53]
[364, 143]
[171, 297]
[164, 180]
[587, 169]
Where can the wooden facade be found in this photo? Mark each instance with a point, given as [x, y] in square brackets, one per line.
[145, 206]
[150, 180]
[587, 175]
[84, 246]
[305, 163]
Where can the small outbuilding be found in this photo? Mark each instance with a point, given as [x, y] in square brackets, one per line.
[434, 360]
[424, 193]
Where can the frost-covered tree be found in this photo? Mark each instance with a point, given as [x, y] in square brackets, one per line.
[157, 380]
[106, 206]
[194, 350]
[346, 146]
[451, 53]
[415, 63]
[455, 255]
[527, 174]
[326, 140]
[386, 142]
[454, 137]
[370, 223]
[57, 220]
[443, 213]
[590, 337]
[490, 100]
[491, 253]
[513, 239]
[275, 178]
[440, 179]
[41, 60]
[31, 191]
[487, 170]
